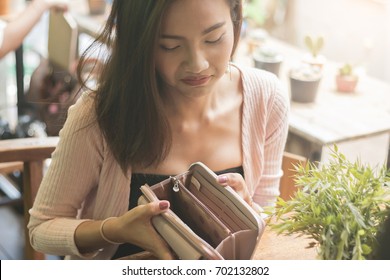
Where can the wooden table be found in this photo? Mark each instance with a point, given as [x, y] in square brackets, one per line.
[31, 152]
[284, 247]
[271, 247]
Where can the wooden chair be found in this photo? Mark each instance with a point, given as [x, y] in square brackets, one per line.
[287, 184]
[30, 154]
[12, 193]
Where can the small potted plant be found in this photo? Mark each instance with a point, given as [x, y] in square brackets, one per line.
[341, 205]
[304, 82]
[267, 58]
[255, 39]
[255, 13]
[346, 79]
[314, 45]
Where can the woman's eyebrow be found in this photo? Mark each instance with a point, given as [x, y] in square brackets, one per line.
[204, 32]
[212, 28]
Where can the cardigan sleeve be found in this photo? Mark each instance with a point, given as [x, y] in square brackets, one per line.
[71, 176]
[275, 140]
[265, 127]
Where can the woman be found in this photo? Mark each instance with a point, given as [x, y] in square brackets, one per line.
[168, 96]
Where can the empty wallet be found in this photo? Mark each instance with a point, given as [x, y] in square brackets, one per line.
[206, 220]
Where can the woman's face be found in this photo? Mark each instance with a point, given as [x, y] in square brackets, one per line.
[195, 45]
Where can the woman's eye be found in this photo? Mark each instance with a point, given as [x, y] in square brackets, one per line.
[165, 48]
[215, 41]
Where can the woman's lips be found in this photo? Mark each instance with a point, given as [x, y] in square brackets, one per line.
[196, 81]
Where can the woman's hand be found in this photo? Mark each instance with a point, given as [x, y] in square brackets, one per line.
[135, 227]
[237, 182]
[61, 5]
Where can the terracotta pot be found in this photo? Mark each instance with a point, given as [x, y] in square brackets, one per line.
[96, 7]
[4, 7]
[346, 83]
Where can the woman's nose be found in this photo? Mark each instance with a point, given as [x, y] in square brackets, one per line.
[197, 62]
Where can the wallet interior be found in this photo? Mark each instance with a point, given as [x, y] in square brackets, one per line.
[214, 222]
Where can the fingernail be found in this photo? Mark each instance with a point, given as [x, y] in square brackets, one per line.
[163, 205]
[222, 179]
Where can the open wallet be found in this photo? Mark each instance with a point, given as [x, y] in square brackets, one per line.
[206, 220]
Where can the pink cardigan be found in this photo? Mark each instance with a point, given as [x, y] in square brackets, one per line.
[85, 182]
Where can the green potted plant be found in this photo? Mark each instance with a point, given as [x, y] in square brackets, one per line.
[254, 17]
[340, 204]
[255, 12]
[346, 79]
[306, 76]
[267, 58]
[314, 45]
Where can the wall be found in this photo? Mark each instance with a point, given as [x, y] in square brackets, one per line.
[355, 31]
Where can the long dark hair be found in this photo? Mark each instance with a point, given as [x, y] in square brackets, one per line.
[129, 107]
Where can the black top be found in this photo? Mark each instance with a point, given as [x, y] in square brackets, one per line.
[140, 179]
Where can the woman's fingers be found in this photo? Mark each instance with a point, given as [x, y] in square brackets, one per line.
[154, 208]
[237, 182]
[152, 241]
[160, 248]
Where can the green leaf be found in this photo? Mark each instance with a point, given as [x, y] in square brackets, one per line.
[358, 217]
[366, 249]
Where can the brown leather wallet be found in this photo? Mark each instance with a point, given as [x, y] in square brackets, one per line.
[206, 220]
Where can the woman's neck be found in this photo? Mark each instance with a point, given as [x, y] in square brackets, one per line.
[206, 107]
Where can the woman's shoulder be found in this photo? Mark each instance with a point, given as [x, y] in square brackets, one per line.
[86, 100]
[83, 110]
[262, 85]
[255, 78]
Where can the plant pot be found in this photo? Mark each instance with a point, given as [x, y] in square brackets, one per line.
[269, 64]
[97, 7]
[4, 7]
[255, 39]
[303, 91]
[346, 83]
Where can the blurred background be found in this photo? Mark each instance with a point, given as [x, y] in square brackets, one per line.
[357, 31]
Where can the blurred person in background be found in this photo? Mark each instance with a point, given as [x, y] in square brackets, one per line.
[12, 33]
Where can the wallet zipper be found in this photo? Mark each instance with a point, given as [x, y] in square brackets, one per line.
[175, 184]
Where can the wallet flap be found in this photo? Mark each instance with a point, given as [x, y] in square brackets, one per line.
[173, 237]
[175, 232]
[227, 194]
